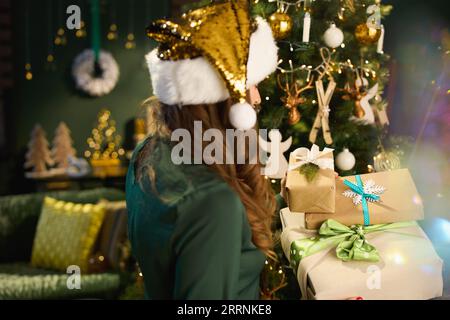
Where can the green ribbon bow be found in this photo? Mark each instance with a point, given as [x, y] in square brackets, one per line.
[350, 242]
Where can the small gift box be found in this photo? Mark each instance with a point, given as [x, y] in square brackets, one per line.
[379, 262]
[374, 198]
[310, 184]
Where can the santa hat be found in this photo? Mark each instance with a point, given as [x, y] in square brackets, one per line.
[213, 53]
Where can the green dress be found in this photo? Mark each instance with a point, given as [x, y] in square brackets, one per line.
[196, 244]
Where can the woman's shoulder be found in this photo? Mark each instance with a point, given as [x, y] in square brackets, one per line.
[184, 184]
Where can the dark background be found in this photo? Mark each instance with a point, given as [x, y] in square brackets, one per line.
[51, 96]
[413, 39]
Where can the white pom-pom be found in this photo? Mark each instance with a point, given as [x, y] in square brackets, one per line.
[242, 116]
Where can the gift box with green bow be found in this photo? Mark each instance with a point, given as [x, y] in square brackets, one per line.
[385, 261]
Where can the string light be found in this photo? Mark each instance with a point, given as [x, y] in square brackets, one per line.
[60, 38]
[112, 32]
[50, 50]
[130, 42]
[81, 33]
[28, 72]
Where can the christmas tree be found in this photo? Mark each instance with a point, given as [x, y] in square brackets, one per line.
[327, 90]
[62, 146]
[105, 148]
[104, 144]
[38, 156]
[331, 77]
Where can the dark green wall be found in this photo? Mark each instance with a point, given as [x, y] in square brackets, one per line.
[51, 96]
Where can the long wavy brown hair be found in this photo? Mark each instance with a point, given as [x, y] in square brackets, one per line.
[246, 180]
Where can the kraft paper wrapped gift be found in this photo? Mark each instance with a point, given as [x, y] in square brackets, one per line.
[395, 199]
[408, 266]
[317, 195]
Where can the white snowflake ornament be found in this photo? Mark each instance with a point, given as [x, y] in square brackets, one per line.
[370, 188]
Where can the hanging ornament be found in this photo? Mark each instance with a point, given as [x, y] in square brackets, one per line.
[381, 41]
[95, 71]
[323, 112]
[50, 45]
[281, 24]
[294, 97]
[81, 33]
[112, 33]
[367, 35]
[359, 93]
[130, 43]
[276, 164]
[28, 72]
[333, 37]
[50, 58]
[358, 112]
[306, 27]
[345, 160]
[380, 111]
[324, 99]
[386, 161]
[60, 38]
[368, 116]
[294, 116]
[95, 77]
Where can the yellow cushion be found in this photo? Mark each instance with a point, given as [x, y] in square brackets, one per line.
[66, 234]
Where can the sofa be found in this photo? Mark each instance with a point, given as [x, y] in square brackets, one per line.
[19, 216]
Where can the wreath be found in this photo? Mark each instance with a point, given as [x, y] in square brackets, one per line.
[95, 78]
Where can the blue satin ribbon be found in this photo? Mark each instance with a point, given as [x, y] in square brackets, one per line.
[359, 189]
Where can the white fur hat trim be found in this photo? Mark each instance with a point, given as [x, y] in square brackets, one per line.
[196, 81]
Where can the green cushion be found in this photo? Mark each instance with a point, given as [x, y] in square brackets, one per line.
[19, 216]
[21, 281]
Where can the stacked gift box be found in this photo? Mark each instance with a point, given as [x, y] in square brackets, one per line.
[356, 236]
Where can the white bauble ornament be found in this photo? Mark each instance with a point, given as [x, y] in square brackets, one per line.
[242, 116]
[333, 37]
[386, 161]
[345, 160]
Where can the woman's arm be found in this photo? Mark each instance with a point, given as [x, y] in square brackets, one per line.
[207, 244]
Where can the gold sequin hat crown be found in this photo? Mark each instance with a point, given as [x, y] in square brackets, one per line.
[211, 54]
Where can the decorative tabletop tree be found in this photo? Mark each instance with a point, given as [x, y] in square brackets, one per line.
[62, 146]
[38, 157]
[105, 147]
